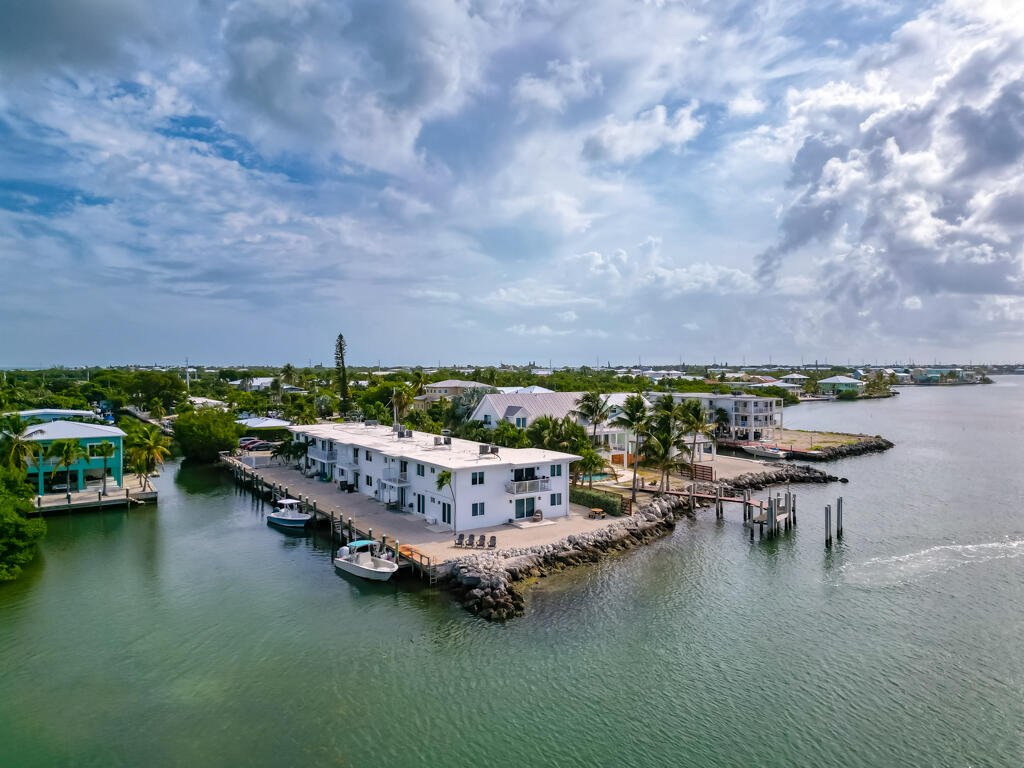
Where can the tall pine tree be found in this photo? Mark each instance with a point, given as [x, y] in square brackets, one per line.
[340, 372]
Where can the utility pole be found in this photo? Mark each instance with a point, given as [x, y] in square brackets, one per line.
[188, 380]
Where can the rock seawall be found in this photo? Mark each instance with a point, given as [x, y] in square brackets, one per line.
[483, 583]
[872, 445]
[786, 473]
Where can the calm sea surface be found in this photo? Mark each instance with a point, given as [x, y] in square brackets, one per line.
[191, 634]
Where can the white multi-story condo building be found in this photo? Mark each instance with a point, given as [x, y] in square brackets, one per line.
[490, 485]
[751, 417]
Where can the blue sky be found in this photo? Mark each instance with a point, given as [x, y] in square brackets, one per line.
[511, 181]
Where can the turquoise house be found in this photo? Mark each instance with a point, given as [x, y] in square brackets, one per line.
[85, 470]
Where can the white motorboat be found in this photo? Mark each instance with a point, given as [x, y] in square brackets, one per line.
[765, 451]
[287, 514]
[363, 558]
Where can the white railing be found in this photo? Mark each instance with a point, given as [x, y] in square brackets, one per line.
[321, 455]
[527, 486]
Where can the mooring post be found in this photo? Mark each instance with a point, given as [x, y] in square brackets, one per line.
[692, 500]
[794, 508]
[718, 500]
[839, 517]
[384, 543]
[350, 529]
[396, 551]
[369, 533]
[828, 525]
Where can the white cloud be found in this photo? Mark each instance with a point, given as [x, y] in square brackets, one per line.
[565, 82]
[568, 317]
[543, 331]
[651, 130]
[912, 302]
[746, 104]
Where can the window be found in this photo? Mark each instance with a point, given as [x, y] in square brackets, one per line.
[478, 509]
[369, 481]
[521, 422]
[556, 470]
[355, 454]
[478, 478]
[368, 456]
[419, 470]
[433, 470]
[556, 499]
[487, 418]
[403, 466]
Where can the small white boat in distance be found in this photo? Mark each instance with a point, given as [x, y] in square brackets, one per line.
[765, 451]
[363, 559]
[287, 515]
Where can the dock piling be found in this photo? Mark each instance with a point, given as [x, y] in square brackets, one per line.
[839, 517]
[828, 526]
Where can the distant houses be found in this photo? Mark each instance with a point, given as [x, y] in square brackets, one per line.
[833, 385]
[448, 388]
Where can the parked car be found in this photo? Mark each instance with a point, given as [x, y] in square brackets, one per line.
[258, 446]
[244, 441]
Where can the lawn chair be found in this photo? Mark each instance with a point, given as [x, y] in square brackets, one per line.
[481, 542]
[493, 543]
[460, 540]
[469, 541]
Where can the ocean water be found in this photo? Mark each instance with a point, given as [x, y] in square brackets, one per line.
[189, 633]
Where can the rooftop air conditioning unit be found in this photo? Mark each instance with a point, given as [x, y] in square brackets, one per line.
[494, 449]
[396, 428]
[447, 440]
[371, 423]
[437, 441]
[484, 449]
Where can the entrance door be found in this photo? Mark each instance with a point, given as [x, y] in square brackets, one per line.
[421, 504]
[524, 508]
[401, 498]
[446, 513]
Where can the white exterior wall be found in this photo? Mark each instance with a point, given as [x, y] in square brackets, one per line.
[499, 504]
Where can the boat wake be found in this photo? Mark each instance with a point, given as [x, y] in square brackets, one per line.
[901, 569]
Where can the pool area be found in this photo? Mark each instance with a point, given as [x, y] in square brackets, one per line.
[598, 477]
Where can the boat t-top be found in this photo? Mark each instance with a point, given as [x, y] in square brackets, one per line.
[287, 514]
[764, 451]
[364, 558]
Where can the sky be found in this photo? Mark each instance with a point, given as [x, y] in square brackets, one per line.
[511, 181]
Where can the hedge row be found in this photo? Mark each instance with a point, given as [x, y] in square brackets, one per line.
[591, 499]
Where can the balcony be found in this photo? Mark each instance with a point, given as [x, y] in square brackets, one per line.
[515, 487]
[321, 455]
[395, 476]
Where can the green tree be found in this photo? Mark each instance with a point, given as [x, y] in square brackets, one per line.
[553, 434]
[634, 419]
[66, 452]
[401, 401]
[105, 451]
[594, 407]
[695, 422]
[506, 434]
[419, 381]
[156, 409]
[205, 432]
[16, 447]
[147, 448]
[19, 536]
[590, 463]
[444, 479]
[288, 374]
[340, 371]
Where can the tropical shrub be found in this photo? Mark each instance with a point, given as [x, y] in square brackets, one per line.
[609, 502]
[19, 536]
[205, 432]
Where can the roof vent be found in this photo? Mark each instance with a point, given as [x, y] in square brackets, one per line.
[371, 423]
[446, 432]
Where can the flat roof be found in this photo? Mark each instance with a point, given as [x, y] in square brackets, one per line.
[52, 412]
[71, 430]
[461, 454]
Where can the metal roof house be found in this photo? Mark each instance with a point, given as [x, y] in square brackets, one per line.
[83, 471]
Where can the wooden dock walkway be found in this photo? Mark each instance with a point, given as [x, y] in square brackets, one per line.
[341, 529]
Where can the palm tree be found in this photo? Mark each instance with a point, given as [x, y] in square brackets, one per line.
[16, 447]
[105, 451]
[147, 449]
[635, 419]
[288, 374]
[66, 452]
[401, 401]
[275, 389]
[594, 407]
[590, 463]
[246, 382]
[695, 421]
[419, 381]
[662, 451]
[509, 436]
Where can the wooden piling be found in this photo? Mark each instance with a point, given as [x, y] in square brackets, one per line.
[828, 526]
[839, 517]
[793, 511]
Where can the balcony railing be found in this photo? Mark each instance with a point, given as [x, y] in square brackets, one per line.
[322, 455]
[395, 475]
[516, 487]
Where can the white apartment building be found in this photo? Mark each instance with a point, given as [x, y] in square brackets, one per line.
[492, 485]
[751, 417]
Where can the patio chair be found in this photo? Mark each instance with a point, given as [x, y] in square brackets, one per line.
[538, 516]
[460, 540]
[493, 543]
[481, 542]
[469, 540]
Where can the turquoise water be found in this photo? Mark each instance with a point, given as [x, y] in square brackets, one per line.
[192, 634]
